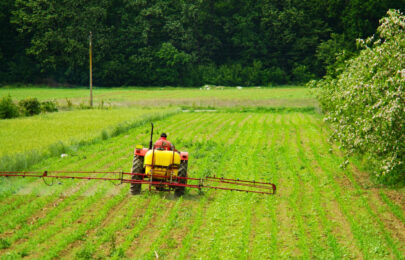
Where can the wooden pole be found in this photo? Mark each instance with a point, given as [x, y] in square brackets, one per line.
[91, 68]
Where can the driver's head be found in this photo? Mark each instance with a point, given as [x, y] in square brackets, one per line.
[163, 135]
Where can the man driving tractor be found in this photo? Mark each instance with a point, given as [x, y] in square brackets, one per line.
[163, 143]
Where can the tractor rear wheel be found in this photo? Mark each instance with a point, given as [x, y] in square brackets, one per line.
[179, 191]
[137, 167]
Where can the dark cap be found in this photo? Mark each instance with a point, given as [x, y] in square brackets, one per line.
[163, 135]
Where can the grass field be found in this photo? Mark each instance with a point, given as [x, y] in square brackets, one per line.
[222, 97]
[38, 132]
[320, 210]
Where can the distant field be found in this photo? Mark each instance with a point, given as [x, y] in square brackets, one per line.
[215, 97]
[45, 93]
[38, 132]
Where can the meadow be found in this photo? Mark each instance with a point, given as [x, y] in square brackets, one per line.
[321, 210]
[38, 132]
[146, 97]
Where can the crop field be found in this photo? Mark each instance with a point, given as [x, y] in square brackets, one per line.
[38, 132]
[320, 210]
[214, 97]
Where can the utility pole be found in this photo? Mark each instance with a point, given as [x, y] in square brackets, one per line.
[91, 68]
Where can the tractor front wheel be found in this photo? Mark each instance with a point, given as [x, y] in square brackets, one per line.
[137, 167]
[179, 191]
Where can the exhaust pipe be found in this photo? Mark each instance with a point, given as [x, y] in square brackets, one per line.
[151, 137]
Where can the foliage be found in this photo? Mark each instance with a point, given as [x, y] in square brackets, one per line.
[7, 108]
[179, 42]
[300, 73]
[49, 106]
[237, 74]
[29, 106]
[4, 243]
[365, 103]
[333, 53]
[15, 64]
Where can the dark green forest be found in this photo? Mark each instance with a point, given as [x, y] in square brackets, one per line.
[186, 43]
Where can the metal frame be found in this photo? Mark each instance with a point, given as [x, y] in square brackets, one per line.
[170, 181]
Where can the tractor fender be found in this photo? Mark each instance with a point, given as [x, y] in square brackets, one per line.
[184, 156]
[141, 152]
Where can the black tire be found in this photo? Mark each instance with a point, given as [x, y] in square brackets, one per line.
[137, 167]
[179, 191]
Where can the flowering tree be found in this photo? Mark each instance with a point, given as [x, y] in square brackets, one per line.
[365, 103]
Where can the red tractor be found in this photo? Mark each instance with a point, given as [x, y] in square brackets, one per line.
[165, 170]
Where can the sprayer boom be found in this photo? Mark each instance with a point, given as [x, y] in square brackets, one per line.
[208, 182]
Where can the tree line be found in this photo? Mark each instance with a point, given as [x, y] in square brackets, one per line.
[180, 42]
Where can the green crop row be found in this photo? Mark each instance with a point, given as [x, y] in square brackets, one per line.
[319, 211]
[106, 235]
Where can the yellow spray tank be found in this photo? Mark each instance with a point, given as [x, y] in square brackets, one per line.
[161, 163]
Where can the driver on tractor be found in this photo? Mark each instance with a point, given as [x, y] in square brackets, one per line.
[163, 143]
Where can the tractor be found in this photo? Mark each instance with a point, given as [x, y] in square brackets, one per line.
[166, 170]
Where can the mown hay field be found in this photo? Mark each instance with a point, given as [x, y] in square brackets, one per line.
[320, 210]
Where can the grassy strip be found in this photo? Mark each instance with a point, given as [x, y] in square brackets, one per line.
[26, 228]
[61, 223]
[81, 230]
[337, 251]
[107, 234]
[124, 191]
[296, 199]
[23, 161]
[220, 217]
[188, 240]
[259, 109]
[137, 229]
[23, 213]
[252, 203]
[235, 240]
[18, 217]
[9, 186]
[270, 205]
[170, 223]
[208, 161]
[210, 156]
[365, 205]
[21, 220]
[386, 234]
[15, 183]
[369, 244]
[219, 214]
[15, 203]
[395, 209]
[263, 240]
